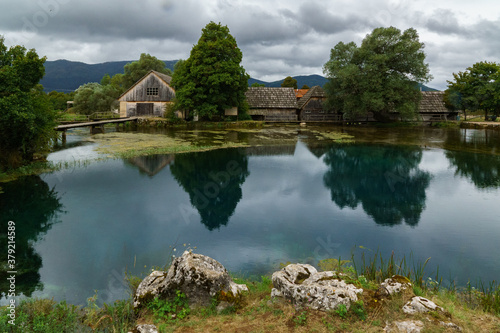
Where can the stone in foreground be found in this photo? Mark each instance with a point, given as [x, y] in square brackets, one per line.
[304, 286]
[406, 326]
[421, 305]
[199, 277]
[145, 329]
[394, 285]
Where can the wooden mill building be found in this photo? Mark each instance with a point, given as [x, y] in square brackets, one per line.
[147, 97]
[272, 104]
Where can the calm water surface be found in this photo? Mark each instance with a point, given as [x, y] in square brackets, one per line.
[432, 193]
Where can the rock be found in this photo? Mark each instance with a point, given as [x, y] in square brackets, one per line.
[199, 277]
[146, 329]
[149, 288]
[394, 285]
[451, 325]
[407, 326]
[304, 286]
[421, 305]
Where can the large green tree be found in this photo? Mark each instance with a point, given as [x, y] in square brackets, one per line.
[211, 79]
[378, 77]
[289, 82]
[26, 117]
[136, 70]
[478, 88]
[95, 97]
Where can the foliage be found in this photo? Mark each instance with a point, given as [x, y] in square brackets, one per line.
[305, 86]
[26, 120]
[211, 79]
[58, 100]
[94, 97]
[478, 88]
[300, 318]
[289, 82]
[164, 309]
[378, 77]
[359, 310]
[341, 311]
[134, 71]
[257, 85]
[42, 316]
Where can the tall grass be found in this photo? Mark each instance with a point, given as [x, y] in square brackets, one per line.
[377, 268]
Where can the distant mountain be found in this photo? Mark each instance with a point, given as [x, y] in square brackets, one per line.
[66, 76]
[311, 81]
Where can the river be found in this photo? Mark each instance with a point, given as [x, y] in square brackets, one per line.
[419, 192]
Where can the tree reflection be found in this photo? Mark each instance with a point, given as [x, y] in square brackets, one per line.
[33, 206]
[474, 155]
[384, 179]
[213, 181]
[482, 169]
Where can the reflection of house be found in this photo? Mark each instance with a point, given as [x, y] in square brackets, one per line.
[272, 104]
[147, 97]
[152, 164]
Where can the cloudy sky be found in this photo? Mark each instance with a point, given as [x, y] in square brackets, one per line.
[278, 37]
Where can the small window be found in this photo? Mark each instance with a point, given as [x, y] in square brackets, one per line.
[151, 91]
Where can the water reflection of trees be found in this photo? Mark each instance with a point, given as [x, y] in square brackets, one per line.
[33, 206]
[386, 181]
[213, 181]
[474, 154]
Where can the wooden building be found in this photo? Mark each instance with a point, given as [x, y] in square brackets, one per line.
[147, 97]
[272, 104]
[432, 107]
[311, 108]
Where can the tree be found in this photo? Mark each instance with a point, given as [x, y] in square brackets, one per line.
[305, 86]
[211, 80]
[289, 82]
[26, 117]
[58, 100]
[476, 88]
[378, 77]
[94, 97]
[136, 70]
[257, 85]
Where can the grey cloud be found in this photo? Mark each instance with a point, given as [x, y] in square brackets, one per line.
[444, 21]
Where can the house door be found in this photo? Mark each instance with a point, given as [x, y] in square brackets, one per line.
[145, 109]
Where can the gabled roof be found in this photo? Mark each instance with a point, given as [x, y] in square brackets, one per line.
[275, 98]
[314, 92]
[432, 101]
[299, 93]
[164, 77]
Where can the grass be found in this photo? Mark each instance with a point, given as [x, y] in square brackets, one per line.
[475, 309]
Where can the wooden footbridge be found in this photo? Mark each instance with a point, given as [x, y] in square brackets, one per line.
[94, 124]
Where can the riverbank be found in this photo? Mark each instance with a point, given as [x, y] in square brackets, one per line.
[470, 309]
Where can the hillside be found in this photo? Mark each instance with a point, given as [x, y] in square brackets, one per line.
[66, 76]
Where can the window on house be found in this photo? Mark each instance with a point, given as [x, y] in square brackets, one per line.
[151, 91]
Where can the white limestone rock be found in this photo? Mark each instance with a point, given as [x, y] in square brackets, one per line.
[406, 326]
[199, 277]
[421, 305]
[304, 286]
[394, 285]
